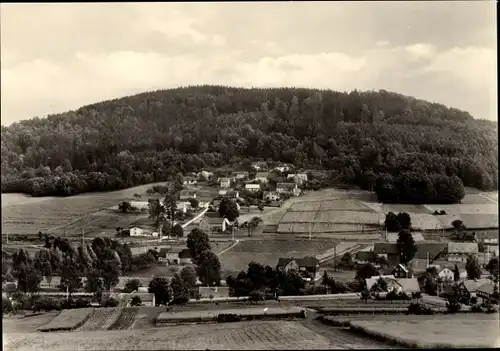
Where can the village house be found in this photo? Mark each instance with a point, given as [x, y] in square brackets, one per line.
[205, 292]
[363, 257]
[271, 196]
[399, 285]
[401, 271]
[190, 180]
[408, 285]
[298, 178]
[389, 251]
[288, 188]
[486, 292]
[233, 194]
[258, 166]
[225, 182]
[469, 287]
[204, 175]
[135, 231]
[262, 177]
[187, 194]
[252, 187]
[185, 257]
[458, 252]
[241, 175]
[308, 267]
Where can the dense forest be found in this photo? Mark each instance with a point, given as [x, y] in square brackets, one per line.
[406, 149]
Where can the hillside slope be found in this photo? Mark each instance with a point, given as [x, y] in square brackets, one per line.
[361, 137]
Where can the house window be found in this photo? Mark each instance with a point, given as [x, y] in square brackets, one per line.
[302, 268]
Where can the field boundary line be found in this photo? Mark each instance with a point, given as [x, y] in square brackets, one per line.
[230, 247]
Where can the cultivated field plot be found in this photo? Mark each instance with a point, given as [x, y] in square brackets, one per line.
[298, 217]
[343, 204]
[254, 335]
[491, 208]
[125, 319]
[199, 316]
[68, 320]
[101, 319]
[267, 252]
[321, 228]
[450, 333]
[347, 217]
[306, 206]
[20, 324]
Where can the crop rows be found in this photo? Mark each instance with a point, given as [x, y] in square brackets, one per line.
[68, 320]
[101, 319]
[125, 319]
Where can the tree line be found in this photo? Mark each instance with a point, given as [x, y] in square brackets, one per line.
[369, 139]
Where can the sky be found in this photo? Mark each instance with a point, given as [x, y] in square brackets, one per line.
[59, 57]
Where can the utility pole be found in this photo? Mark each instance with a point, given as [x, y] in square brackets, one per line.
[233, 232]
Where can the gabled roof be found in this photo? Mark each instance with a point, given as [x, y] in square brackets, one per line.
[366, 255]
[185, 253]
[189, 178]
[252, 186]
[385, 248]
[465, 248]
[163, 251]
[408, 285]
[487, 288]
[241, 173]
[432, 248]
[309, 262]
[224, 179]
[262, 175]
[471, 285]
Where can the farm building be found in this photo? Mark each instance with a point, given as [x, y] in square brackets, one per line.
[486, 291]
[447, 273]
[492, 249]
[430, 251]
[203, 175]
[241, 175]
[469, 287]
[372, 280]
[262, 177]
[229, 193]
[258, 166]
[225, 182]
[400, 271]
[187, 194]
[288, 188]
[363, 257]
[252, 187]
[298, 178]
[406, 285]
[214, 291]
[185, 257]
[136, 231]
[308, 267]
[190, 180]
[389, 251]
[271, 196]
[458, 252]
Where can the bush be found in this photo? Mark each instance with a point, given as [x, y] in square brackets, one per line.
[256, 296]
[10, 288]
[46, 304]
[7, 306]
[112, 302]
[476, 308]
[228, 317]
[136, 301]
[181, 300]
[419, 309]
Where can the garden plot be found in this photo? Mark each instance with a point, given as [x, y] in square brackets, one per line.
[347, 217]
[287, 228]
[452, 333]
[68, 320]
[421, 221]
[491, 209]
[21, 324]
[306, 206]
[343, 205]
[298, 217]
[101, 319]
[253, 335]
[125, 319]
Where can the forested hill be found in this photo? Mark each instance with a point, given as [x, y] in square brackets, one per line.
[359, 136]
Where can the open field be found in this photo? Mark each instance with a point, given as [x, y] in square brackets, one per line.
[267, 252]
[438, 333]
[30, 324]
[252, 335]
